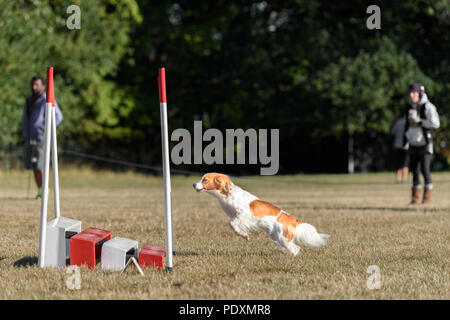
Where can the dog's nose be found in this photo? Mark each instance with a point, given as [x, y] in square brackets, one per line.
[193, 185]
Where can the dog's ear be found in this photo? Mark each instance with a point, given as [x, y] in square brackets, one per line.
[224, 184]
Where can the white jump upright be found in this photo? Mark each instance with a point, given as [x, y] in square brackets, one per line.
[54, 245]
[47, 141]
[166, 167]
[55, 162]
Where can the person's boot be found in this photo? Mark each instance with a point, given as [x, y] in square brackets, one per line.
[415, 198]
[426, 196]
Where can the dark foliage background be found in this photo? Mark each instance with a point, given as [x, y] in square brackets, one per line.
[310, 68]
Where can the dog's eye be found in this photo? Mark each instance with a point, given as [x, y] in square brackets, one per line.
[205, 180]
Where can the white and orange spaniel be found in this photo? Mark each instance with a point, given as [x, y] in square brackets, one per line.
[248, 213]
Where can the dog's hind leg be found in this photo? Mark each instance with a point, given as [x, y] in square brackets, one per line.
[293, 248]
[277, 236]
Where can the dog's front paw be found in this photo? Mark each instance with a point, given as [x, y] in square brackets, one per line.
[245, 236]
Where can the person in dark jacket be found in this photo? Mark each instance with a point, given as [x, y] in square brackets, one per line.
[422, 119]
[33, 127]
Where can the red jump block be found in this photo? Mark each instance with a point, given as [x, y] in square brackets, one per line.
[86, 246]
[151, 256]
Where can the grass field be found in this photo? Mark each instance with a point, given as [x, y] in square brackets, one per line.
[367, 216]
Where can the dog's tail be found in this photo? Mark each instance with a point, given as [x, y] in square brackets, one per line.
[307, 234]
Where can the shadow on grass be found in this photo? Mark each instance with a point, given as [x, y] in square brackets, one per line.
[379, 208]
[17, 198]
[221, 253]
[26, 262]
[185, 253]
[411, 208]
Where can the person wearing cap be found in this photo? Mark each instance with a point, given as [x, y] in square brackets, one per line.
[422, 118]
[33, 126]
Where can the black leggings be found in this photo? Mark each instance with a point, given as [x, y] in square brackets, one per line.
[420, 161]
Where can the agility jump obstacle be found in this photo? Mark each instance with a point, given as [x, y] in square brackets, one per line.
[54, 245]
[166, 166]
[61, 238]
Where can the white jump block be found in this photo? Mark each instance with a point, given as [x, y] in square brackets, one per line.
[57, 243]
[117, 251]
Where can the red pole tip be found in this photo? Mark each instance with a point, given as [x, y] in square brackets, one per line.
[159, 88]
[50, 88]
[162, 85]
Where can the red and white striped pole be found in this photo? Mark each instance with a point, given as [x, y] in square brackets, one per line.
[166, 167]
[47, 141]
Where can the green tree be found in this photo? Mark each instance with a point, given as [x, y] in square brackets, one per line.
[34, 35]
[366, 92]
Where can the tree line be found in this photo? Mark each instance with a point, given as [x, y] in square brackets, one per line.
[309, 68]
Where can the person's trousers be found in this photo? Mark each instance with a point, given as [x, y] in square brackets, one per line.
[34, 155]
[420, 162]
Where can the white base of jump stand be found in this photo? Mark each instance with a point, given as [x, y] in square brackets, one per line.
[116, 253]
[59, 232]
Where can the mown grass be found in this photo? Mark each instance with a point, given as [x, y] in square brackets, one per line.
[367, 216]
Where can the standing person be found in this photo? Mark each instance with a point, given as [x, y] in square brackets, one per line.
[422, 119]
[400, 151]
[33, 126]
